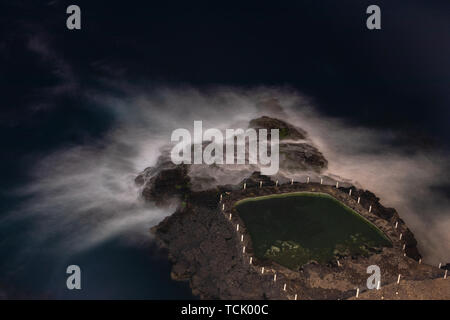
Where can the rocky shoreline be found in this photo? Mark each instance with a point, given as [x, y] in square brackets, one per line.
[207, 248]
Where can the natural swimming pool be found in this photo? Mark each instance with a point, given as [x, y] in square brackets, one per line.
[295, 228]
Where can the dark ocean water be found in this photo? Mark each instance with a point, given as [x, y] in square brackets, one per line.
[111, 269]
[395, 79]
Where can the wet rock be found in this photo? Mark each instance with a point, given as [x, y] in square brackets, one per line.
[165, 179]
[204, 248]
[255, 179]
[167, 184]
[301, 157]
[287, 131]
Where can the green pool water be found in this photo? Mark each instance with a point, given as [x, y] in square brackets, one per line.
[295, 228]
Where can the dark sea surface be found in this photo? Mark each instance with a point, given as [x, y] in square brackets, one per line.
[393, 79]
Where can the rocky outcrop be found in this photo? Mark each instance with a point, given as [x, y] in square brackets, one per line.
[172, 180]
[170, 183]
[301, 157]
[287, 131]
[207, 251]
